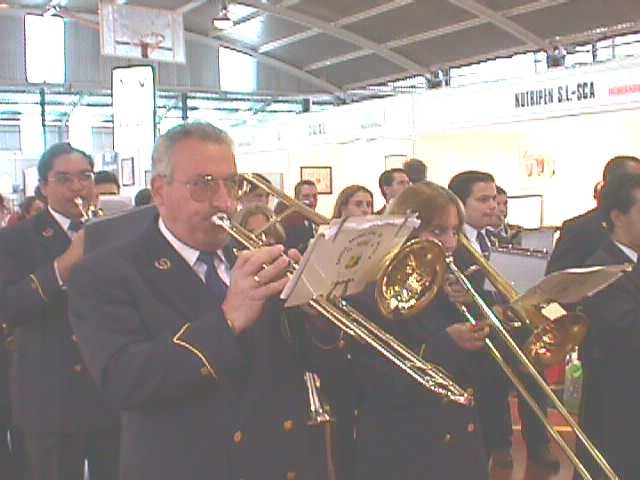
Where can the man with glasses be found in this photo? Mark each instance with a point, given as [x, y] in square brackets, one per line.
[191, 345]
[56, 407]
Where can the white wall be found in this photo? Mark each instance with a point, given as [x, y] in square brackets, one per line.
[479, 127]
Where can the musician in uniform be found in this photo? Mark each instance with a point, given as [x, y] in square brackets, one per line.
[405, 432]
[300, 230]
[610, 394]
[191, 348]
[500, 233]
[581, 236]
[477, 192]
[391, 183]
[57, 406]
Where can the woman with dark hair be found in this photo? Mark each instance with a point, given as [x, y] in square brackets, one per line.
[353, 201]
[403, 431]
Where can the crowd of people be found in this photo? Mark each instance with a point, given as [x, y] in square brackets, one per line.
[168, 354]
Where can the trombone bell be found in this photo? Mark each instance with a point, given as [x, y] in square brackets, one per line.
[410, 278]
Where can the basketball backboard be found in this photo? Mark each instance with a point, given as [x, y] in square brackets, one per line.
[141, 32]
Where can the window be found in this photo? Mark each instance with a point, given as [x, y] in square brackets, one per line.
[44, 48]
[237, 71]
[54, 134]
[10, 138]
[102, 139]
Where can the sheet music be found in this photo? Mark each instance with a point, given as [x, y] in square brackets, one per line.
[346, 255]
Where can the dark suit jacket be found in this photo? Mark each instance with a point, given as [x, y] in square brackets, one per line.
[54, 392]
[298, 235]
[197, 401]
[404, 431]
[580, 237]
[118, 228]
[611, 393]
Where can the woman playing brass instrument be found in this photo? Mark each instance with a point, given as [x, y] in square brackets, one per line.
[403, 432]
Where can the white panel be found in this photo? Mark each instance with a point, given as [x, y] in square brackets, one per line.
[45, 50]
[12, 70]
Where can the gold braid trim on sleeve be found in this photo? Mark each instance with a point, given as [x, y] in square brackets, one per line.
[192, 349]
[35, 284]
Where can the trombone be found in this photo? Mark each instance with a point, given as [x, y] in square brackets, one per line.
[349, 320]
[434, 250]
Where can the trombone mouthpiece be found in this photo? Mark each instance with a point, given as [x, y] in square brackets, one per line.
[221, 219]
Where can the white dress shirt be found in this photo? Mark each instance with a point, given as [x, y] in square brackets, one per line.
[62, 220]
[191, 255]
[472, 235]
[629, 252]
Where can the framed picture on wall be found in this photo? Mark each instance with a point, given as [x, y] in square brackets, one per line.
[321, 176]
[394, 160]
[127, 174]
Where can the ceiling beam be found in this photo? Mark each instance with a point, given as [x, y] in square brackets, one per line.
[392, 5]
[463, 61]
[274, 62]
[527, 8]
[337, 32]
[501, 22]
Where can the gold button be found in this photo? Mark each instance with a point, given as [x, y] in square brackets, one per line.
[341, 344]
[78, 368]
[204, 371]
[287, 425]
[237, 437]
[74, 338]
[291, 476]
[471, 427]
[447, 438]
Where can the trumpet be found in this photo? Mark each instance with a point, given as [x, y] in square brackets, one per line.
[88, 212]
[352, 322]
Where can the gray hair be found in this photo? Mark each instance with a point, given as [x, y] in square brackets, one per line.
[160, 158]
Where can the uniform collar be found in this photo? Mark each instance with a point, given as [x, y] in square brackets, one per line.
[61, 219]
[189, 254]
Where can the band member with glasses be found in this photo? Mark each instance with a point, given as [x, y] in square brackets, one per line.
[57, 406]
[610, 394]
[190, 347]
[403, 431]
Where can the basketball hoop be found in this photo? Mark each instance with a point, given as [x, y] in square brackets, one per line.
[149, 42]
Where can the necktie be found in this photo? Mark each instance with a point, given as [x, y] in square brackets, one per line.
[211, 278]
[75, 226]
[484, 245]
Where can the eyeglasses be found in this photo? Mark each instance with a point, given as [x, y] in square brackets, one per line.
[65, 179]
[203, 188]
